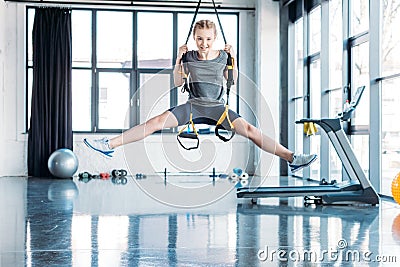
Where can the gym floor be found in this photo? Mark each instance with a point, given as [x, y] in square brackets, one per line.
[62, 222]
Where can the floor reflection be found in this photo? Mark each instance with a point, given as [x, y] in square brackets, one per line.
[47, 222]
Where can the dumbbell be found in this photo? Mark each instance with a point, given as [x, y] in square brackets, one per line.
[85, 177]
[119, 173]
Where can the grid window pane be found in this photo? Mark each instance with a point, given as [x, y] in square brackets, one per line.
[360, 144]
[390, 43]
[154, 95]
[299, 54]
[335, 103]
[29, 84]
[335, 107]
[150, 54]
[114, 39]
[335, 165]
[31, 17]
[81, 96]
[359, 16]
[315, 88]
[390, 133]
[360, 71]
[335, 43]
[315, 30]
[315, 148]
[113, 100]
[299, 128]
[82, 38]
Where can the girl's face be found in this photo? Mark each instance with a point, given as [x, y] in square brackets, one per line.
[204, 39]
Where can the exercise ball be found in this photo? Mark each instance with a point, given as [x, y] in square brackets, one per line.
[396, 188]
[63, 163]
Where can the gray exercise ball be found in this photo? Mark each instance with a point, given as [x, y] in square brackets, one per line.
[63, 163]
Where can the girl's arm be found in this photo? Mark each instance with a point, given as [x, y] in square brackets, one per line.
[178, 69]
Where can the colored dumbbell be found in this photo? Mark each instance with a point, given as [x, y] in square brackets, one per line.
[85, 177]
[140, 176]
[104, 175]
[119, 173]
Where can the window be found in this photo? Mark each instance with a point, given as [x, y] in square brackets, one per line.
[335, 90]
[315, 110]
[359, 16]
[150, 36]
[390, 84]
[114, 39]
[298, 96]
[81, 43]
[81, 99]
[113, 101]
[335, 107]
[154, 95]
[349, 38]
[29, 63]
[122, 64]
[360, 77]
[390, 43]
[358, 49]
[315, 30]
[335, 44]
[390, 132]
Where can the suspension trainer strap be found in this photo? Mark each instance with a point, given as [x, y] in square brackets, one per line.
[188, 135]
[193, 21]
[219, 22]
[229, 83]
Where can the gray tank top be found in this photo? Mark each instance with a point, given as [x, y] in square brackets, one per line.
[206, 78]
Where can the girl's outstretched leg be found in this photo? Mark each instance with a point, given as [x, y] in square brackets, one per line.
[296, 161]
[106, 146]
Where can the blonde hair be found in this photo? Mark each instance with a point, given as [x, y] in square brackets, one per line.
[204, 24]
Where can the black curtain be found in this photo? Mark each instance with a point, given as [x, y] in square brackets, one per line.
[51, 113]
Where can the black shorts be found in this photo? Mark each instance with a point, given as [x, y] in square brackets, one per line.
[202, 114]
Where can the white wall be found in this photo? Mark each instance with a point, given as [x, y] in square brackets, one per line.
[12, 99]
[267, 73]
[239, 153]
[2, 70]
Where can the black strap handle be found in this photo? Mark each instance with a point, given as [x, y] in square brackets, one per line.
[189, 136]
[223, 138]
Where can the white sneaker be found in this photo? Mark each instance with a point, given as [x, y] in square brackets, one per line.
[300, 161]
[100, 145]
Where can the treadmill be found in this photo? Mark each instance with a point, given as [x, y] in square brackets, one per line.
[357, 190]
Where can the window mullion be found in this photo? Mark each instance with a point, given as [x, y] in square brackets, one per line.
[95, 108]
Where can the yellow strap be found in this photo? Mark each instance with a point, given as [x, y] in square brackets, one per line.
[182, 72]
[230, 67]
[187, 125]
[191, 121]
[224, 116]
[310, 128]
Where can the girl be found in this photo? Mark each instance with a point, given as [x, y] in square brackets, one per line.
[207, 68]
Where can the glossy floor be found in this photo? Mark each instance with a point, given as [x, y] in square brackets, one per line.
[185, 221]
